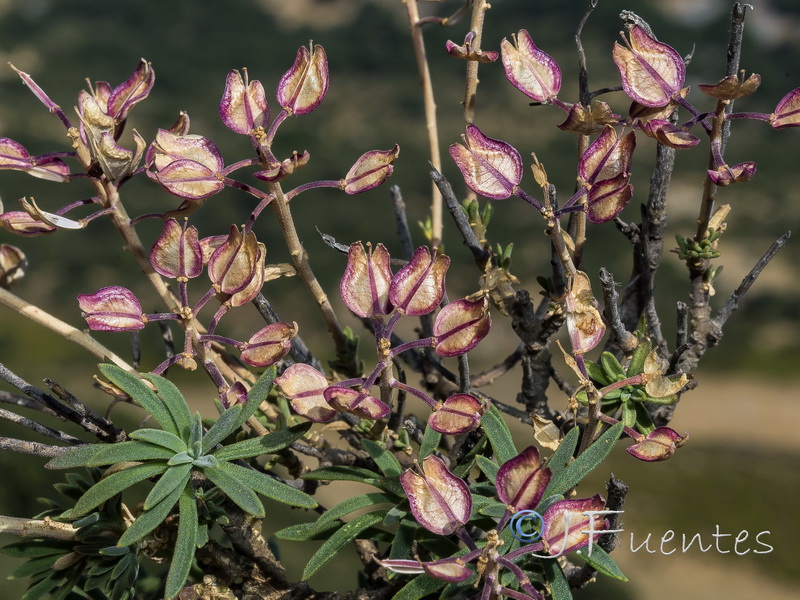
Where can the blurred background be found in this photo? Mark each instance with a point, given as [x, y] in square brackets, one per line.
[740, 468]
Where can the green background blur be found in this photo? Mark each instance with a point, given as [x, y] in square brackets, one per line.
[740, 468]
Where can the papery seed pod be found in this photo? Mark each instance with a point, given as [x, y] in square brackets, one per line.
[365, 283]
[440, 501]
[12, 265]
[358, 403]
[14, 156]
[418, 287]
[187, 166]
[243, 107]
[129, 93]
[584, 323]
[651, 71]
[467, 52]
[490, 167]
[304, 386]
[608, 197]
[608, 156]
[252, 289]
[235, 394]
[447, 569]
[21, 223]
[583, 121]
[303, 87]
[458, 414]
[521, 481]
[530, 70]
[732, 87]
[370, 170]
[112, 308]
[268, 345]
[659, 444]
[177, 251]
[233, 265]
[725, 175]
[669, 134]
[461, 325]
[787, 113]
[566, 527]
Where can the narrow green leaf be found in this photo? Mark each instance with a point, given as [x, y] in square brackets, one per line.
[386, 461]
[236, 490]
[602, 561]
[148, 520]
[343, 536]
[267, 486]
[404, 540]
[353, 504]
[597, 373]
[74, 457]
[303, 532]
[175, 403]
[272, 442]
[36, 548]
[129, 451]
[465, 466]
[430, 442]
[489, 467]
[419, 587]
[636, 365]
[585, 463]
[499, 435]
[257, 394]
[177, 476]
[39, 589]
[34, 566]
[341, 473]
[222, 428]
[183, 556]
[160, 438]
[563, 455]
[138, 390]
[559, 586]
[196, 435]
[397, 513]
[114, 484]
[493, 509]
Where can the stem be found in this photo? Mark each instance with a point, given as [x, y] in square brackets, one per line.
[45, 528]
[430, 117]
[479, 8]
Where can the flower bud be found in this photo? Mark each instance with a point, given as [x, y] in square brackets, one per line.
[100, 131]
[365, 283]
[460, 326]
[490, 167]
[370, 170]
[112, 308]
[440, 501]
[303, 87]
[669, 134]
[177, 252]
[418, 288]
[304, 386]
[12, 265]
[286, 167]
[530, 70]
[244, 105]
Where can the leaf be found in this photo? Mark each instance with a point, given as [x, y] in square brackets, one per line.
[176, 476]
[36, 548]
[267, 444]
[404, 539]
[257, 394]
[303, 532]
[114, 484]
[74, 457]
[430, 442]
[585, 463]
[128, 452]
[499, 435]
[269, 487]
[148, 520]
[346, 473]
[489, 468]
[238, 492]
[174, 401]
[559, 586]
[602, 561]
[160, 438]
[222, 428]
[563, 455]
[386, 461]
[419, 587]
[343, 536]
[138, 390]
[353, 504]
[183, 556]
[34, 566]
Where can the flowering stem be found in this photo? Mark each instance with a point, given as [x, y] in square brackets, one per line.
[430, 117]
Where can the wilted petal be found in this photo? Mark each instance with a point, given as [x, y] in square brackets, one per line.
[403, 566]
[232, 266]
[12, 265]
[787, 113]
[365, 283]
[440, 501]
[418, 287]
[244, 105]
[461, 325]
[50, 168]
[725, 175]
[112, 308]
[177, 251]
[652, 72]
[530, 70]
[490, 167]
[584, 323]
[303, 87]
[268, 345]
[236, 394]
[521, 481]
[732, 87]
[582, 121]
[129, 93]
[304, 386]
[565, 524]
[657, 385]
[358, 403]
[669, 134]
[607, 157]
[659, 444]
[370, 170]
[458, 414]
[22, 223]
[607, 198]
[48, 218]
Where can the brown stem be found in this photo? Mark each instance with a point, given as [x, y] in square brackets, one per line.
[479, 8]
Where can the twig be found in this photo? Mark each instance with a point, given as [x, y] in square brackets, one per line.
[34, 448]
[38, 528]
[492, 374]
[299, 351]
[403, 232]
[479, 8]
[38, 427]
[479, 253]
[622, 337]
